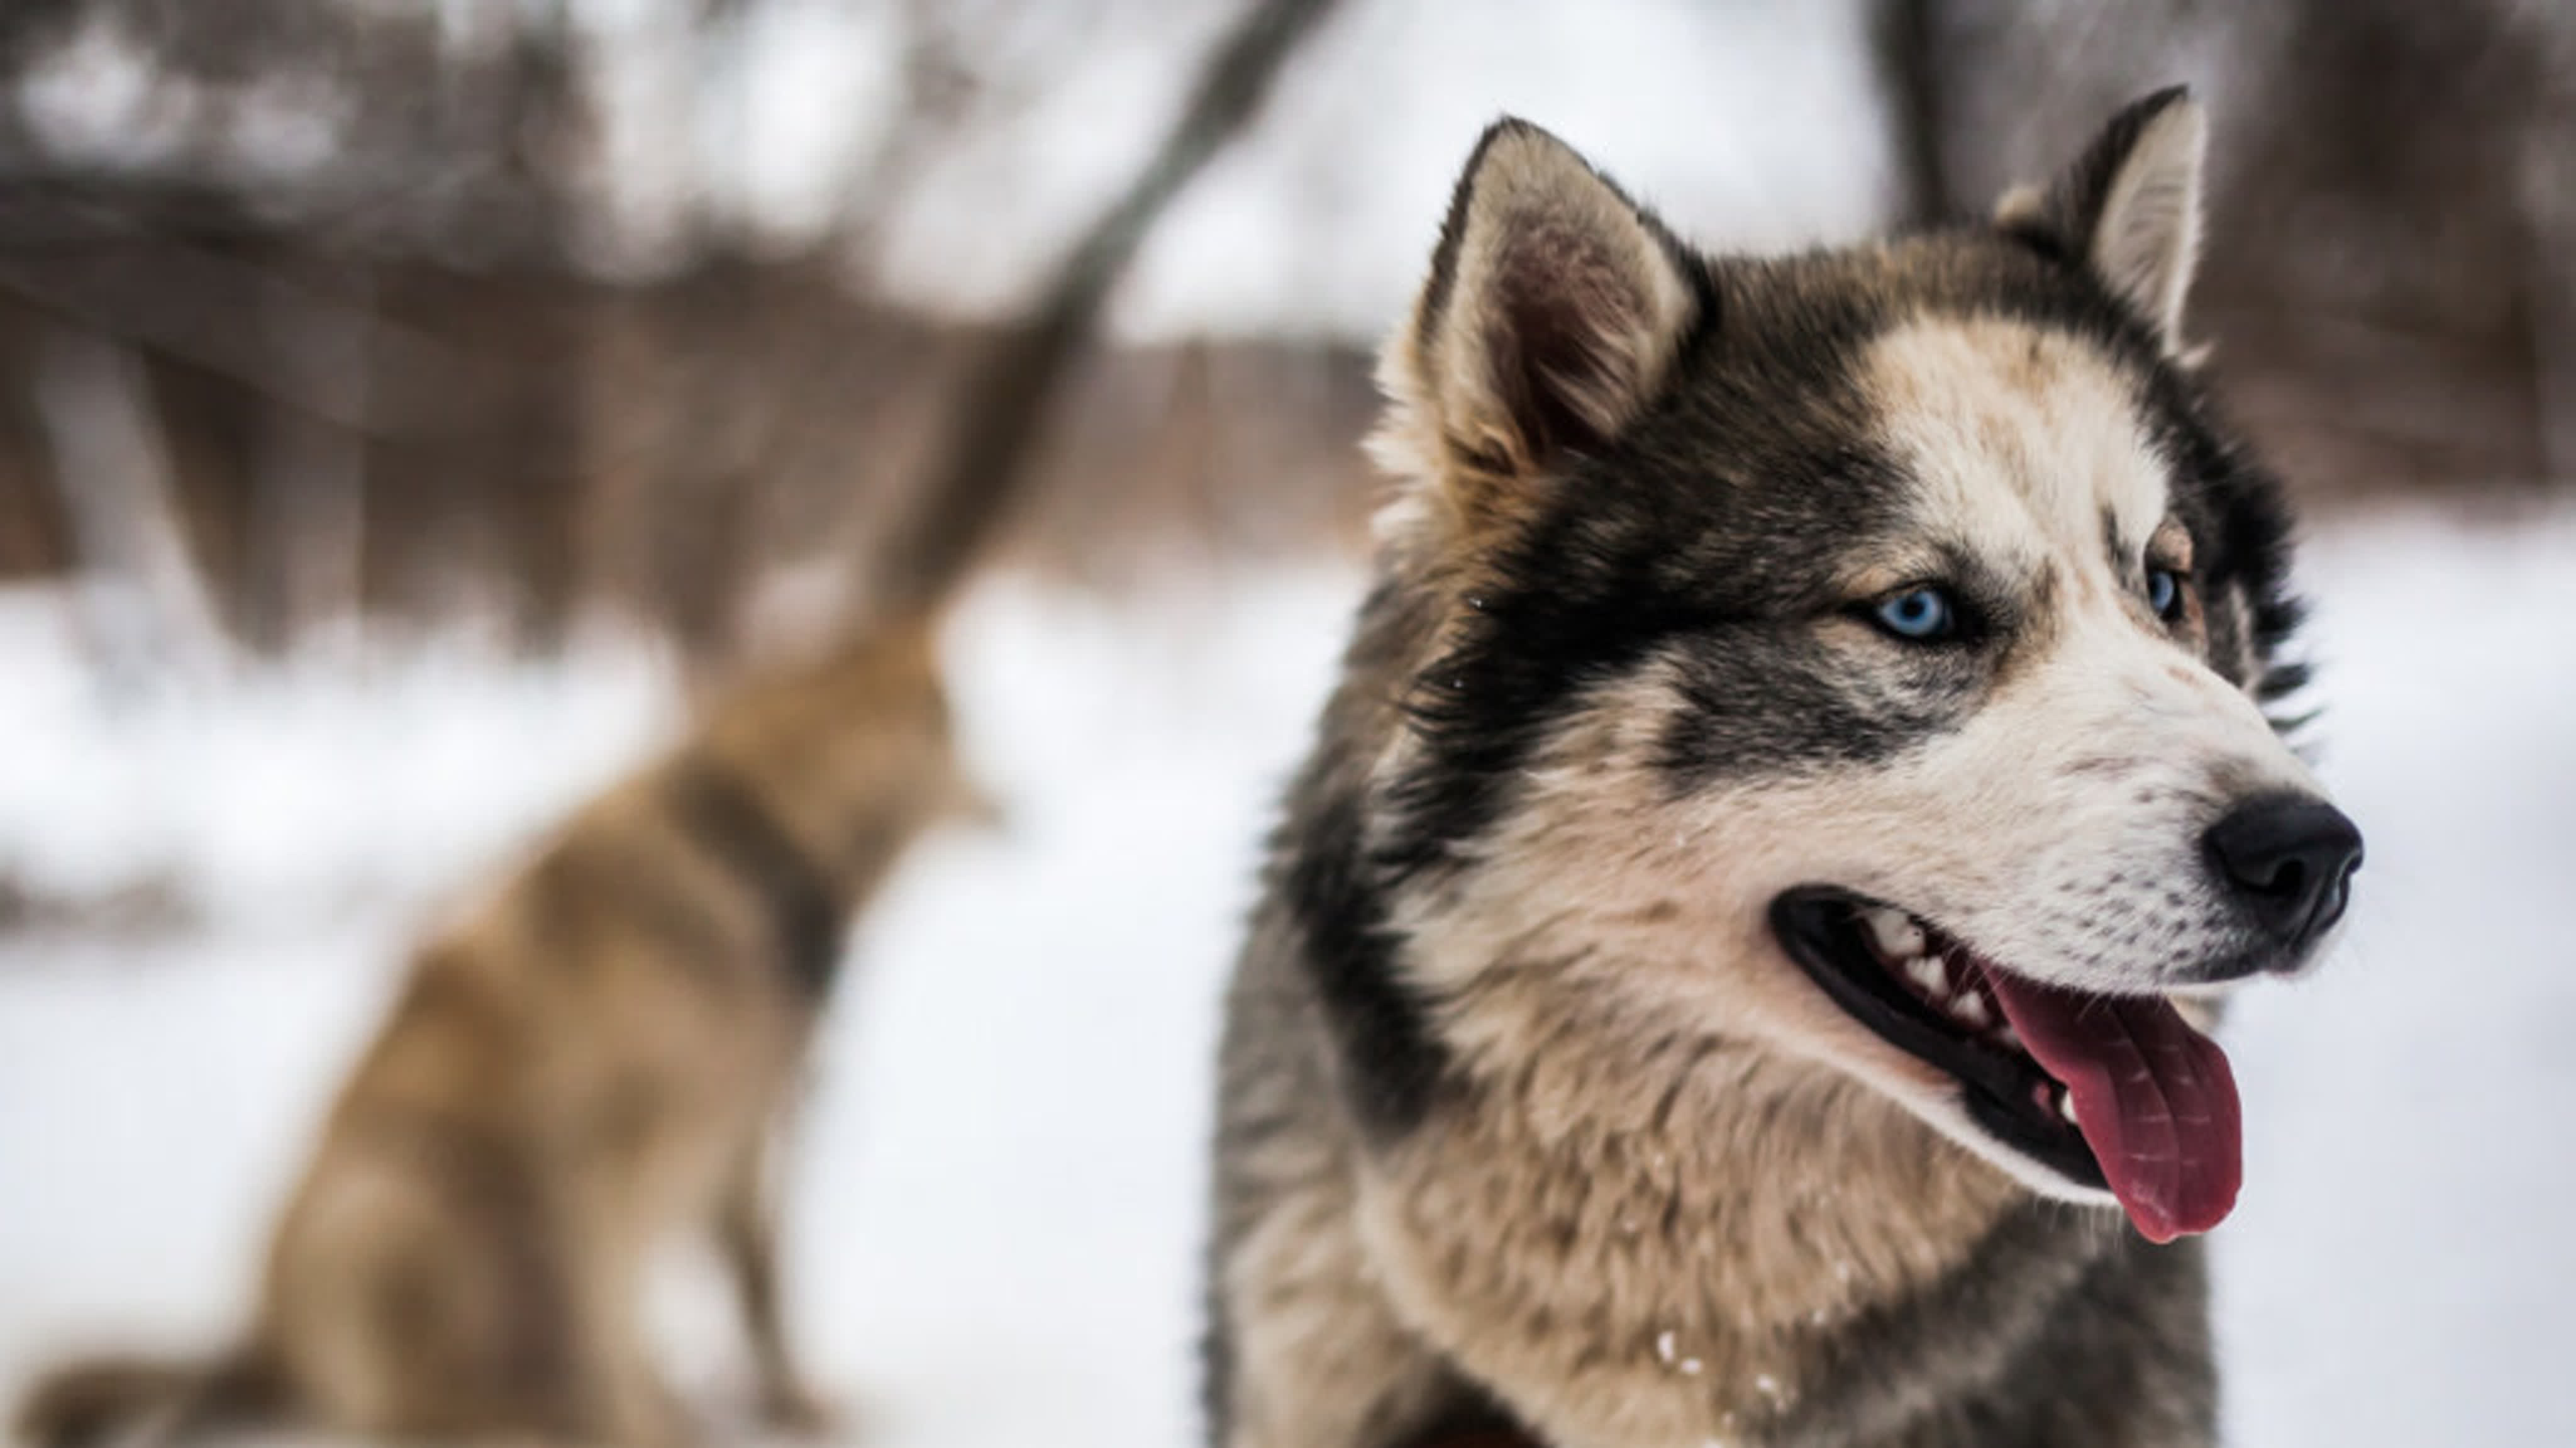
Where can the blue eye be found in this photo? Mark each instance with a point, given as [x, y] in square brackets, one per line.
[1918, 615]
[2164, 593]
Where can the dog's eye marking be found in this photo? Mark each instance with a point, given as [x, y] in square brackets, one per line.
[2164, 593]
[2168, 565]
[1922, 614]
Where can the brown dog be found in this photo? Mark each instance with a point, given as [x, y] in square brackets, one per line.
[592, 1060]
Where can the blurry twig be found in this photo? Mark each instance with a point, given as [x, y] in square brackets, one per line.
[1910, 67]
[993, 429]
[146, 606]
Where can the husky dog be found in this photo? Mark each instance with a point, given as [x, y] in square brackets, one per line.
[1799, 771]
[592, 1060]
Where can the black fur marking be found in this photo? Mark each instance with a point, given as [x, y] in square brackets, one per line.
[1474, 1421]
[1391, 1062]
[2236, 512]
[804, 909]
[2082, 1334]
[1216, 1350]
[1487, 705]
[1800, 706]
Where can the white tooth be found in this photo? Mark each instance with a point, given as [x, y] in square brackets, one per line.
[2006, 1037]
[1970, 1007]
[2066, 1107]
[1895, 932]
[1927, 973]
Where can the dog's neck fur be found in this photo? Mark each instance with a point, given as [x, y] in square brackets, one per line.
[1718, 1247]
[847, 754]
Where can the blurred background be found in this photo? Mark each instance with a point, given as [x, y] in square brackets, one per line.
[406, 409]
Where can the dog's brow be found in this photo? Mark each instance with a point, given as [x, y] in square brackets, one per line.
[2172, 543]
[2008, 581]
[1877, 569]
[2114, 545]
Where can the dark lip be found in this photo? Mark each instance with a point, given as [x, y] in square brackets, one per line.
[1819, 926]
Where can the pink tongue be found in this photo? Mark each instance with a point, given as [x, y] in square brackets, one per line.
[2153, 1097]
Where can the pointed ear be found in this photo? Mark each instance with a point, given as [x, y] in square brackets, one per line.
[1552, 315]
[2130, 208]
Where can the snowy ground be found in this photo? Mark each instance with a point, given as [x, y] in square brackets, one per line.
[996, 1232]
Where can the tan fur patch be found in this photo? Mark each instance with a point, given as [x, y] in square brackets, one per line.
[2018, 441]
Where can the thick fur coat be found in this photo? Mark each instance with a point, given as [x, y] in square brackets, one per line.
[1734, 614]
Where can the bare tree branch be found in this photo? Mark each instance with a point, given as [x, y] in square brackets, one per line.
[146, 603]
[1909, 66]
[994, 428]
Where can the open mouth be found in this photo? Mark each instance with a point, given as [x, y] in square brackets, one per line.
[2111, 1092]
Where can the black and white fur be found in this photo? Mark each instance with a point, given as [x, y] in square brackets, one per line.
[1529, 1129]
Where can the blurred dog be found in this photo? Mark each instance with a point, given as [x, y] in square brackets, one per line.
[1802, 755]
[593, 1060]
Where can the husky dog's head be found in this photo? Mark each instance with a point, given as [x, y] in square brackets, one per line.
[1860, 655]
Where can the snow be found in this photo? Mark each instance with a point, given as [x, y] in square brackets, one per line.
[281, 787]
[2400, 1271]
[995, 1231]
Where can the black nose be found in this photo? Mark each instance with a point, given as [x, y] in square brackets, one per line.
[2291, 860]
